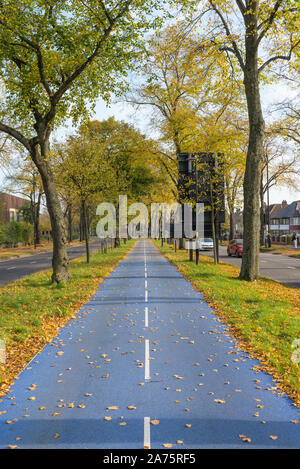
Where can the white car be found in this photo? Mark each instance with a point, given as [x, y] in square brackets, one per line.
[205, 244]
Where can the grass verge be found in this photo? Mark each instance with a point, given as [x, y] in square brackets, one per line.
[25, 251]
[263, 315]
[32, 309]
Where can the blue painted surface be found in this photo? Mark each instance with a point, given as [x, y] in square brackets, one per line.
[108, 338]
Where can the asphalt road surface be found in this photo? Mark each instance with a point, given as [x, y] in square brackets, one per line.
[146, 364]
[278, 267]
[17, 268]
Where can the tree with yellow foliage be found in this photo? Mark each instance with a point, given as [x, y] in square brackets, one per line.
[185, 79]
[265, 33]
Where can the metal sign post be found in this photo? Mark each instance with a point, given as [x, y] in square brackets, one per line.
[201, 180]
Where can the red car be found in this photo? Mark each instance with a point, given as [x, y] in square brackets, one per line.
[235, 248]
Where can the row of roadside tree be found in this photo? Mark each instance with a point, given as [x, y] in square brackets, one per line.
[203, 75]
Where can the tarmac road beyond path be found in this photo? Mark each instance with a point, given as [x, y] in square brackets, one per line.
[278, 267]
[146, 363]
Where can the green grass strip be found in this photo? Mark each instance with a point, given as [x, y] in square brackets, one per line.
[32, 309]
[264, 315]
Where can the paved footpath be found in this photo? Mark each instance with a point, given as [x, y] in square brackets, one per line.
[148, 347]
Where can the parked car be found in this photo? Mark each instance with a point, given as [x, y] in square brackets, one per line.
[235, 248]
[205, 244]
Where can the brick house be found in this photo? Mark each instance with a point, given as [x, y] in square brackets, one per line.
[287, 220]
[9, 207]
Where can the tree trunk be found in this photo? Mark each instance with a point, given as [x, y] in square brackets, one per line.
[70, 233]
[60, 261]
[38, 234]
[86, 230]
[178, 151]
[80, 227]
[254, 162]
[35, 211]
[117, 240]
[262, 214]
[213, 224]
[231, 225]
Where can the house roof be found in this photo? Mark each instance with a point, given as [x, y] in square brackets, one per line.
[291, 211]
[275, 209]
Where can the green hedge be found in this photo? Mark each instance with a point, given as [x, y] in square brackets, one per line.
[15, 232]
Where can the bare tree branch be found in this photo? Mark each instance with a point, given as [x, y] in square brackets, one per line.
[15, 134]
[279, 57]
[241, 6]
[269, 21]
[234, 48]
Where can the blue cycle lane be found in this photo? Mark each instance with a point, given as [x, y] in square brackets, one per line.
[146, 364]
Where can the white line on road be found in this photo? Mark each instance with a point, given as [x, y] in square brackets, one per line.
[10, 268]
[146, 285]
[146, 317]
[147, 360]
[146, 296]
[147, 441]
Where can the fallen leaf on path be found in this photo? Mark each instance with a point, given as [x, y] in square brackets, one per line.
[245, 439]
[154, 422]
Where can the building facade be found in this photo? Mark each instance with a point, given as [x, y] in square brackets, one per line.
[10, 206]
[287, 220]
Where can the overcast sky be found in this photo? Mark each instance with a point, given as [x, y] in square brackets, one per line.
[141, 119]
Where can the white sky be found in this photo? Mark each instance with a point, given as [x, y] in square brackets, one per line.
[141, 119]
